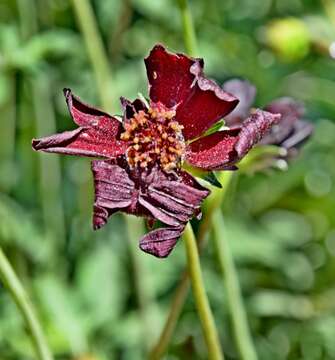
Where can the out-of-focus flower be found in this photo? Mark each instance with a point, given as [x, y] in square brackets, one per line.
[289, 133]
[141, 171]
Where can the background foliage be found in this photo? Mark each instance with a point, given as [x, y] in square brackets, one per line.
[281, 224]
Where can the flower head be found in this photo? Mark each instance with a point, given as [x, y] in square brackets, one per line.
[141, 170]
[289, 133]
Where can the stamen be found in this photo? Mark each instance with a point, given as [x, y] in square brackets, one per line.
[155, 138]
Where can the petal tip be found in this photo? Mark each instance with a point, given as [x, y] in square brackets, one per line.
[67, 92]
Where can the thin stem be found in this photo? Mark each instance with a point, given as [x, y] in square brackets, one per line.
[190, 39]
[230, 279]
[178, 302]
[95, 48]
[200, 296]
[50, 172]
[329, 7]
[143, 291]
[99, 61]
[15, 288]
[180, 295]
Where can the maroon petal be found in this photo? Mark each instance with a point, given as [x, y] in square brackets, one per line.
[224, 148]
[83, 114]
[246, 93]
[176, 79]
[131, 107]
[160, 242]
[96, 136]
[206, 104]
[169, 76]
[253, 129]
[94, 141]
[114, 190]
[213, 151]
[172, 201]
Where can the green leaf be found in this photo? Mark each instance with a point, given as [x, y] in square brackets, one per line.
[216, 127]
[212, 179]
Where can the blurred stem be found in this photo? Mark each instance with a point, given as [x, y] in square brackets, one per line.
[178, 301]
[96, 51]
[180, 294]
[190, 40]
[230, 280]
[20, 297]
[28, 20]
[200, 296]
[329, 6]
[99, 61]
[143, 291]
[50, 179]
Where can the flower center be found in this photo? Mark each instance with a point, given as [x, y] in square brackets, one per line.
[155, 138]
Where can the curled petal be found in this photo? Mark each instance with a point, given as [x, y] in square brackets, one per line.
[177, 81]
[160, 242]
[253, 129]
[97, 135]
[131, 107]
[83, 114]
[95, 141]
[206, 104]
[246, 93]
[114, 190]
[223, 149]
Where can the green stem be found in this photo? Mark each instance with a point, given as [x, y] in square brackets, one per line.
[235, 302]
[200, 296]
[96, 51]
[143, 290]
[50, 172]
[12, 283]
[99, 61]
[180, 295]
[178, 302]
[188, 28]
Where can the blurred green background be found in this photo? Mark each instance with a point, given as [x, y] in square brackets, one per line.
[281, 224]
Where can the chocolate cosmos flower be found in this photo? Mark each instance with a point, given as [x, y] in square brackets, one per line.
[289, 133]
[140, 172]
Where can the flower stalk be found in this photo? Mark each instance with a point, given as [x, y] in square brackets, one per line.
[188, 28]
[176, 308]
[20, 297]
[181, 292]
[200, 296]
[231, 283]
[95, 49]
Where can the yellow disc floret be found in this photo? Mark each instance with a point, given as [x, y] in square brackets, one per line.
[154, 138]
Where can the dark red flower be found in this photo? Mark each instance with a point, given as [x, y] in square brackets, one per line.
[290, 132]
[141, 172]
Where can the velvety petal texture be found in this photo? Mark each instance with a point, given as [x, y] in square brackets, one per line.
[223, 149]
[114, 190]
[178, 81]
[253, 129]
[157, 195]
[161, 242]
[214, 151]
[97, 135]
